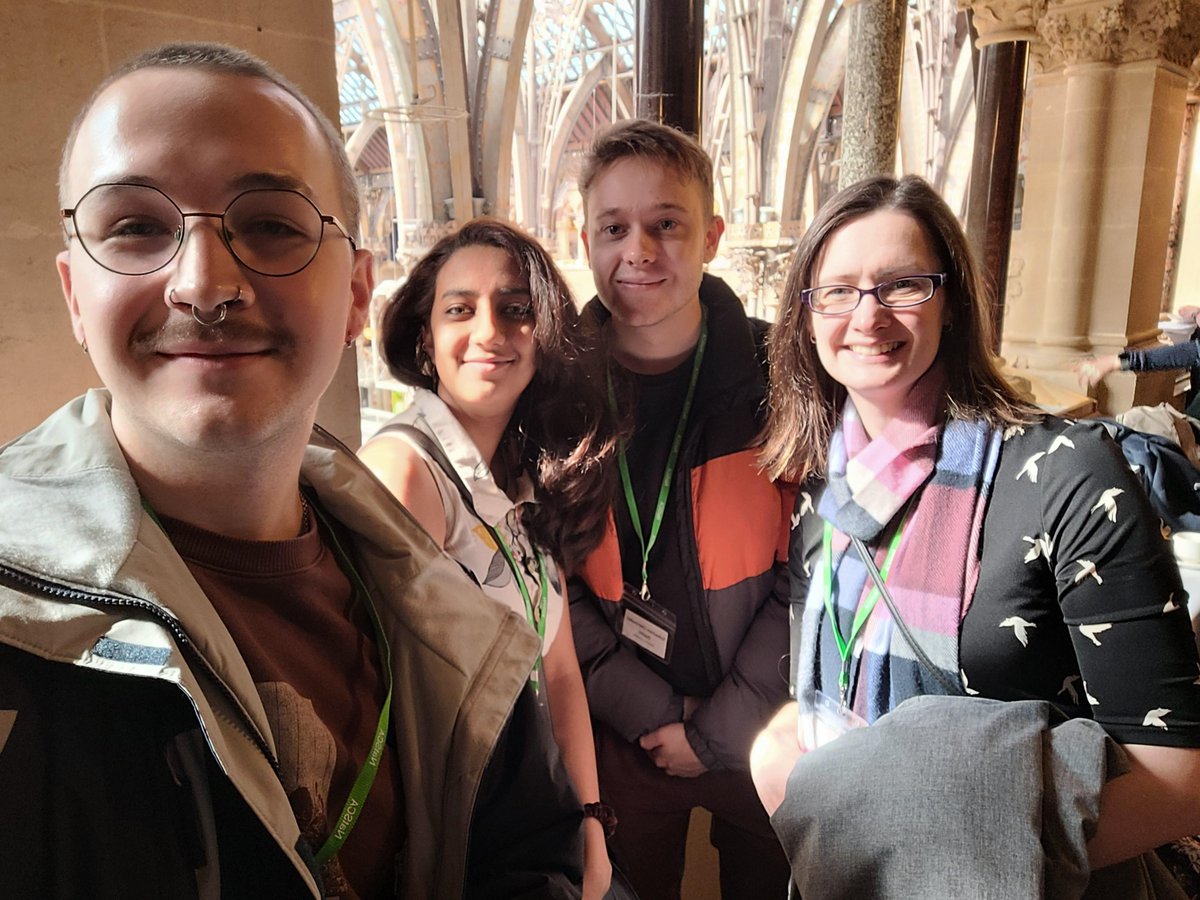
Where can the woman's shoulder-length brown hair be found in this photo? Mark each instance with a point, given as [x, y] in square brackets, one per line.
[563, 431]
[406, 318]
[804, 403]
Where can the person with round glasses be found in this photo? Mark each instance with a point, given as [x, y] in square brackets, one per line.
[230, 665]
[950, 539]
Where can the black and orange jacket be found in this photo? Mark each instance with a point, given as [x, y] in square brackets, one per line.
[734, 550]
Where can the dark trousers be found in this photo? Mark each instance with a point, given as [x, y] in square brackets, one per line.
[653, 809]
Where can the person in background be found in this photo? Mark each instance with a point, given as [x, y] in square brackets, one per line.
[1186, 355]
[507, 454]
[1017, 549]
[679, 614]
[230, 665]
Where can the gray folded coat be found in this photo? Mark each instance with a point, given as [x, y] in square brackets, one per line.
[959, 797]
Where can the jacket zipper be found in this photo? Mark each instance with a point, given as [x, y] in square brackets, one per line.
[52, 589]
[683, 491]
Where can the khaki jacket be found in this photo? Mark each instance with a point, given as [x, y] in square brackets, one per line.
[88, 579]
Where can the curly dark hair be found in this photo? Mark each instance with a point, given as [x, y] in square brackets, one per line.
[563, 431]
[804, 403]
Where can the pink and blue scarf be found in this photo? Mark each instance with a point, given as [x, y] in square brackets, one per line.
[948, 471]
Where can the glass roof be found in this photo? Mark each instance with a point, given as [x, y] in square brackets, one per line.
[357, 92]
[566, 44]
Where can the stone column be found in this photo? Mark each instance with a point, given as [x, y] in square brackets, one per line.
[1074, 238]
[1179, 205]
[872, 93]
[1107, 103]
[52, 55]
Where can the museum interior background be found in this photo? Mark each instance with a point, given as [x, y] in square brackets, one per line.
[1063, 134]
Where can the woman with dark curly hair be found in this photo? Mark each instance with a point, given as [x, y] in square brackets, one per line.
[507, 455]
[952, 540]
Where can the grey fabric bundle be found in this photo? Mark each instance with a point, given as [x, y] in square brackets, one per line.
[958, 797]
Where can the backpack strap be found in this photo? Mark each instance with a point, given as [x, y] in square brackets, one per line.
[434, 451]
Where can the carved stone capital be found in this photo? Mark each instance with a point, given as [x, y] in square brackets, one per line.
[1004, 20]
[1118, 31]
[1080, 33]
[1163, 29]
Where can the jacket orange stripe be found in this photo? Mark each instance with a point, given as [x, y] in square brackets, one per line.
[602, 569]
[741, 521]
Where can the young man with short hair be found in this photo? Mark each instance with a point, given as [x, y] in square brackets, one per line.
[230, 663]
[680, 617]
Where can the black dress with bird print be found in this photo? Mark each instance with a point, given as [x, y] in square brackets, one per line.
[1079, 599]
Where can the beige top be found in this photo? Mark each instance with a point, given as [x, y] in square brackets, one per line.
[467, 540]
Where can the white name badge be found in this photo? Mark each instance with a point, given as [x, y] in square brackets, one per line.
[641, 631]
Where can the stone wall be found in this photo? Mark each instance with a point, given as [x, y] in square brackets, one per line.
[52, 54]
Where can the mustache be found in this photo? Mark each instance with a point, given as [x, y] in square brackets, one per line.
[183, 329]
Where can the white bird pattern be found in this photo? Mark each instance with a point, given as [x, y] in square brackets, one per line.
[1087, 694]
[1039, 546]
[1155, 717]
[1035, 548]
[1030, 468]
[1170, 606]
[806, 504]
[1061, 441]
[1090, 631]
[1068, 688]
[1012, 430]
[795, 521]
[1020, 628]
[1086, 568]
[1108, 502]
[971, 692]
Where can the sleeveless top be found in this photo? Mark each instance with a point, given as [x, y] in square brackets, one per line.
[467, 541]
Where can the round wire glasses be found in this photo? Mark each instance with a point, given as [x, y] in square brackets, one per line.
[136, 229]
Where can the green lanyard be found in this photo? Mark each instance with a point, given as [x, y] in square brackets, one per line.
[370, 767]
[672, 459]
[534, 612]
[862, 614]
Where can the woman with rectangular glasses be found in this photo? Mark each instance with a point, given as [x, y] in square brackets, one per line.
[952, 540]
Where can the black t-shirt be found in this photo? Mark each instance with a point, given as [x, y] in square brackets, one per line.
[659, 401]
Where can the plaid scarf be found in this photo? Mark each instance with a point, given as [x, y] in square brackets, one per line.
[948, 470]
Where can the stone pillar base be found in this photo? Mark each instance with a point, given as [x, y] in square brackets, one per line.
[1057, 390]
[1053, 390]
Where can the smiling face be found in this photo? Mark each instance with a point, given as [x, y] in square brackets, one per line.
[480, 334]
[875, 352]
[648, 237]
[202, 138]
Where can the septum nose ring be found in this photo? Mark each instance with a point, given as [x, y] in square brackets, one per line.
[222, 309]
[221, 313]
